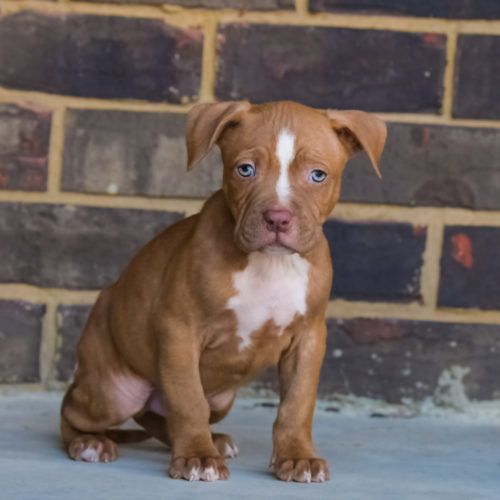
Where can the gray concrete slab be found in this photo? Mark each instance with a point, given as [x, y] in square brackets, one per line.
[442, 458]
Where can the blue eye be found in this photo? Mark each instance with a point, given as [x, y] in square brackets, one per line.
[318, 176]
[246, 170]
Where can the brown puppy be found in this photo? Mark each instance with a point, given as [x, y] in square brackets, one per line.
[221, 295]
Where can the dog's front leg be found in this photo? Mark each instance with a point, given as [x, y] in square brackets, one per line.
[194, 456]
[294, 457]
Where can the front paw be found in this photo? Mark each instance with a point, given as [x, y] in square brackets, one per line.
[301, 470]
[198, 468]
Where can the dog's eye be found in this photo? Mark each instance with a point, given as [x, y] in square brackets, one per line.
[318, 175]
[246, 170]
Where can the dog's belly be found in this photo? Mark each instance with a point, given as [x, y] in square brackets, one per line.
[129, 393]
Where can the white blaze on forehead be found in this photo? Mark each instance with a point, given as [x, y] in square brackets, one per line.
[285, 151]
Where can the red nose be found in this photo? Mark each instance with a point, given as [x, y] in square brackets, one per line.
[278, 221]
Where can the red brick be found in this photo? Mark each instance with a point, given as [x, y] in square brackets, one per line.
[427, 165]
[449, 9]
[135, 154]
[376, 261]
[24, 147]
[477, 77]
[100, 56]
[20, 337]
[373, 70]
[72, 246]
[470, 268]
[70, 322]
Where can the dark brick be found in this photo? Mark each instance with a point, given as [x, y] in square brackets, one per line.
[133, 153]
[431, 165]
[20, 336]
[72, 247]
[24, 147]
[449, 9]
[100, 56]
[396, 360]
[327, 67]
[477, 77]
[217, 4]
[470, 268]
[376, 261]
[70, 322]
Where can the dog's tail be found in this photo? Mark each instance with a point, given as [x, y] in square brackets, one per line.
[127, 435]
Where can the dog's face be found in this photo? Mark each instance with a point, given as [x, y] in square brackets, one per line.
[283, 164]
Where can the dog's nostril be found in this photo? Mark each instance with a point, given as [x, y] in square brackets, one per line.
[277, 220]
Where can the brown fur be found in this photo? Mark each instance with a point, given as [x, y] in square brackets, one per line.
[164, 327]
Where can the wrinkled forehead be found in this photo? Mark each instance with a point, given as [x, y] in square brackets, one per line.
[285, 130]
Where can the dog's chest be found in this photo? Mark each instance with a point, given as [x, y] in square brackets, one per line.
[271, 287]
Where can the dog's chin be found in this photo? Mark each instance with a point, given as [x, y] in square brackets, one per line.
[266, 248]
[277, 249]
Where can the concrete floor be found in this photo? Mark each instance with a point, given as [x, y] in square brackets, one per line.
[422, 458]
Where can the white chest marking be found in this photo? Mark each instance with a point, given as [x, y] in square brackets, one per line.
[285, 151]
[271, 287]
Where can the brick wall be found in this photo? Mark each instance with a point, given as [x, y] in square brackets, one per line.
[93, 99]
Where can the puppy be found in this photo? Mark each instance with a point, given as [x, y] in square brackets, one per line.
[219, 296]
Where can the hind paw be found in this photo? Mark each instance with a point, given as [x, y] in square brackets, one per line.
[225, 445]
[91, 448]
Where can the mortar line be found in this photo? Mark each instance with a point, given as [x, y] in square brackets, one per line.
[56, 151]
[209, 60]
[302, 7]
[57, 100]
[430, 277]
[97, 9]
[7, 388]
[442, 120]
[189, 206]
[415, 215]
[48, 343]
[406, 24]
[449, 75]
[41, 295]
[189, 17]
[183, 205]
[71, 102]
[342, 309]
[337, 308]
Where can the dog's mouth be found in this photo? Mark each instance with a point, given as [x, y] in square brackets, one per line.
[278, 243]
[266, 242]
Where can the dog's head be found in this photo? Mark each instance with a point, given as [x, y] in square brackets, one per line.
[283, 165]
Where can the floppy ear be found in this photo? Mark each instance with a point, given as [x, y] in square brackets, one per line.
[205, 124]
[359, 130]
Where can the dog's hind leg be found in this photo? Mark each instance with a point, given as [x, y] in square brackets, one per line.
[104, 393]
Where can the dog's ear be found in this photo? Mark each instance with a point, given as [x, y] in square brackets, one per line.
[205, 124]
[359, 130]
